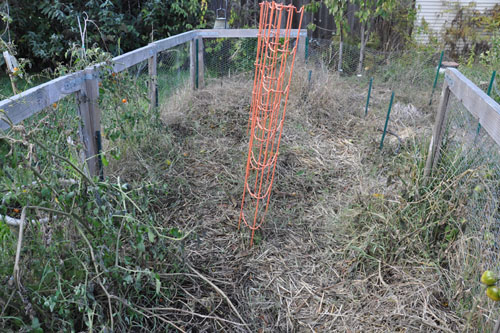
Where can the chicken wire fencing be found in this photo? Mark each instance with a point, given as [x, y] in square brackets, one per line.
[172, 71]
[228, 57]
[468, 172]
[484, 79]
[388, 65]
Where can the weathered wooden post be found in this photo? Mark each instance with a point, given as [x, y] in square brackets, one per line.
[90, 127]
[301, 51]
[153, 81]
[437, 132]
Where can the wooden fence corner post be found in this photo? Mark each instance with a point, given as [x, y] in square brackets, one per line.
[437, 131]
[90, 126]
[153, 81]
[192, 63]
[201, 63]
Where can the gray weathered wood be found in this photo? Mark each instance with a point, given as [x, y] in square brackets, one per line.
[28, 103]
[239, 33]
[201, 63]
[479, 104]
[173, 41]
[192, 64]
[437, 132]
[32, 101]
[132, 58]
[301, 48]
[90, 114]
[153, 78]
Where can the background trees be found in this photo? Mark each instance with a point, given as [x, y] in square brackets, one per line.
[44, 30]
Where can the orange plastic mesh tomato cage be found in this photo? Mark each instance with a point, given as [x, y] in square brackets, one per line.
[273, 74]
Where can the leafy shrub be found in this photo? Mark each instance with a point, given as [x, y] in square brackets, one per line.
[94, 253]
[46, 29]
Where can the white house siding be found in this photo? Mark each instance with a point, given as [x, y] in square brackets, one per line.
[439, 13]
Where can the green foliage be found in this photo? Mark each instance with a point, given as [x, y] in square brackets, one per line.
[104, 252]
[337, 8]
[471, 29]
[370, 9]
[44, 30]
[491, 57]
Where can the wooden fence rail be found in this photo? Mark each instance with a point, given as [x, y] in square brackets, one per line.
[85, 84]
[476, 101]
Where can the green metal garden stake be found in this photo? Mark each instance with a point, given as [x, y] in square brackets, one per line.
[100, 168]
[156, 96]
[488, 92]
[307, 49]
[309, 76]
[437, 75]
[368, 97]
[197, 64]
[386, 121]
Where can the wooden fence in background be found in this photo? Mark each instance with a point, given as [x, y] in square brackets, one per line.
[85, 84]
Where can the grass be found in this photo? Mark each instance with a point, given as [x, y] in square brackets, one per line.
[355, 240]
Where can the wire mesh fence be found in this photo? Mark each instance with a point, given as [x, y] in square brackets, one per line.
[226, 57]
[468, 175]
[172, 70]
[391, 66]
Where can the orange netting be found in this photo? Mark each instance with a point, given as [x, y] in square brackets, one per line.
[272, 79]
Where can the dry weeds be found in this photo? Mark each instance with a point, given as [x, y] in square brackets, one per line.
[305, 272]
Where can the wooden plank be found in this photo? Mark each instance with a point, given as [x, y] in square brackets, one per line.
[201, 63]
[153, 79]
[240, 33]
[90, 127]
[132, 58]
[32, 101]
[479, 104]
[192, 64]
[173, 41]
[129, 59]
[437, 132]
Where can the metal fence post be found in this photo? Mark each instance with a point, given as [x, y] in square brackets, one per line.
[437, 76]
[488, 92]
[307, 49]
[192, 64]
[368, 97]
[201, 63]
[386, 121]
[197, 60]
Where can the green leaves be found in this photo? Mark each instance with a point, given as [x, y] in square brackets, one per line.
[34, 27]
